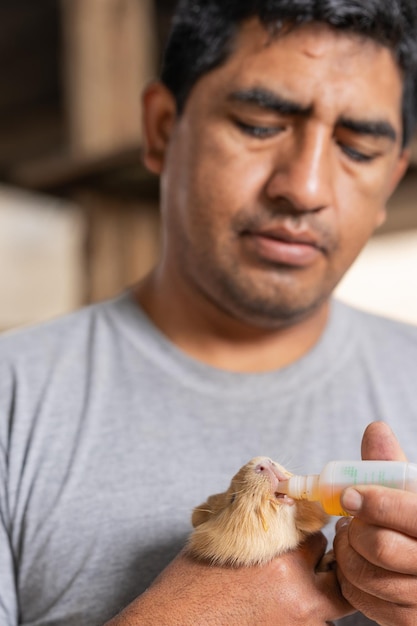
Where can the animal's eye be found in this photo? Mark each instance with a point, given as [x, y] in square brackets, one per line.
[233, 498]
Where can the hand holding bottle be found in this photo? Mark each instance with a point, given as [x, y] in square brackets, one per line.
[376, 550]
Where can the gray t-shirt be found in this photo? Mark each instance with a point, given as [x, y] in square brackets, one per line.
[110, 435]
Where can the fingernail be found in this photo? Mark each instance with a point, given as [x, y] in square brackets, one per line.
[351, 501]
[342, 522]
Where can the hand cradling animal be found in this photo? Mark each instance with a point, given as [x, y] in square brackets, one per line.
[251, 523]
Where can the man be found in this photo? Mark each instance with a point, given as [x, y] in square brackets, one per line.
[279, 131]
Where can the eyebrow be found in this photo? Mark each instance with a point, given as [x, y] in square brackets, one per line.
[374, 128]
[270, 101]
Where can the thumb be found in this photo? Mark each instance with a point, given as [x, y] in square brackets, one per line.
[380, 444]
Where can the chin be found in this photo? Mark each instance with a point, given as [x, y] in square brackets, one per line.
[272, 313]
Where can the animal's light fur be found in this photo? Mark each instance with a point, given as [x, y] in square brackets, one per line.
[249, 524]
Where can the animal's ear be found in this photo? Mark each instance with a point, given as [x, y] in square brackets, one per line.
[310, 517]
[200, 514]
[206, 510]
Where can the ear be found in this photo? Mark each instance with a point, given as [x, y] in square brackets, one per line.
[209, 509]
[397, 174]
[200, 514]
[159, 117]
[400, 169]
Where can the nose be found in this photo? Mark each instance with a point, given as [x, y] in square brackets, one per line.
[302, 170]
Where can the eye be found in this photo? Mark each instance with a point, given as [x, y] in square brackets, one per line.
[259, 132]
[357, 155]
[233, 498]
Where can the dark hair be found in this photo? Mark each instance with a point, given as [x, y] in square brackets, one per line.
[203, 32]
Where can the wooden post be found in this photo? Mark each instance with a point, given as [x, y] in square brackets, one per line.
[123, 242]
[109, 54]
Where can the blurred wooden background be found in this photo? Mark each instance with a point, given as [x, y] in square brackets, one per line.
[78, 212]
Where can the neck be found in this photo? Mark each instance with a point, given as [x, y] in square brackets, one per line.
[207, 333]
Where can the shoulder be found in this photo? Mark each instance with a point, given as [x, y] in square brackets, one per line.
[47, 369]
[386, 337]
[38, 339]
[377, 324]
[65, 338]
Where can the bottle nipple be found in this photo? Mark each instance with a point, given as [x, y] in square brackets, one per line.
[283, 487]
[301, 487]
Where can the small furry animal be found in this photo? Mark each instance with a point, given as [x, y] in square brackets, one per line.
[251, 522]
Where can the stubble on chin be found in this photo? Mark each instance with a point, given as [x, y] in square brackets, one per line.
[256, 292]
[265, 298]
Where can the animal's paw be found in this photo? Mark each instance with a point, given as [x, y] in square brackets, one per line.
[327, 562]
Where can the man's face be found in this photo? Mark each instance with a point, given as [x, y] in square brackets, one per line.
[279, 168]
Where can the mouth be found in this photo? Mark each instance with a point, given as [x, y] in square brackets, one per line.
[276, 475]
[280, 245]
[283, 499]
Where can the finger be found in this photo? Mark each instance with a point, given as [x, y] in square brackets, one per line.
[358, 572]
[382, 506]
[380, 443]
[335, 605]
[313, 549]
[382, 612]
[384, 548]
